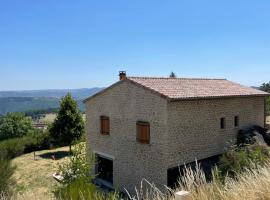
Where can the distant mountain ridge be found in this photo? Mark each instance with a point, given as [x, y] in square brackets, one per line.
[21, 101]
[56, 93]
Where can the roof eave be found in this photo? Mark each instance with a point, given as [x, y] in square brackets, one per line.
[217, 97]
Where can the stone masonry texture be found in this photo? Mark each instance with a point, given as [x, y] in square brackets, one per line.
[180, 131]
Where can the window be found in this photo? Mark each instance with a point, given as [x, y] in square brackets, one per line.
[143, 132]
[222, 123]
[236, 121]
[105, 125]
[104, 168]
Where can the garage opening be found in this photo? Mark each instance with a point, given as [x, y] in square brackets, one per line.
[104, 169]
[174, 174]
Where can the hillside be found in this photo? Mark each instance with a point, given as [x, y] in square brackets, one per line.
[20, 101]
[20, 104]
[76, 93]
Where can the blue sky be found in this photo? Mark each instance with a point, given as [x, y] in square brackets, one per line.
[84, 43]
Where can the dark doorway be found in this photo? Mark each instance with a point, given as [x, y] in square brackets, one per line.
[104, 169]
[207, 164]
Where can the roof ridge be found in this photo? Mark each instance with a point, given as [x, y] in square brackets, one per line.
[180, 78]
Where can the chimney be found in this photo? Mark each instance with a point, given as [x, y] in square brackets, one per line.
[122, 75]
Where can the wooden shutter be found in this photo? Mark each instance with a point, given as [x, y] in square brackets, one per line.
[104, 125]
[143, 132]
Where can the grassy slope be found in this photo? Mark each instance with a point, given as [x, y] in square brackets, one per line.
[36, 175]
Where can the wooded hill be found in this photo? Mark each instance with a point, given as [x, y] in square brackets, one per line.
[21, 101]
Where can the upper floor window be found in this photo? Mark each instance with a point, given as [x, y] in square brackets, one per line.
[143, 132]
[236, 121]
[222, 123]
[105, 125]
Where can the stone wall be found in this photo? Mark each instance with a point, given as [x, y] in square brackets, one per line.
[194, 126]
[126, 104]
[180, 131]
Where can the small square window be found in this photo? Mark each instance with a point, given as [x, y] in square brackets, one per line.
[222, 123]
[236, 121]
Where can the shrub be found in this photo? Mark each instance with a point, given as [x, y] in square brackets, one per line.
[76, 190]
[267, 102]
[12, 147]
[6, 172]
[37, 141]
[237, 159]
[15, 125]
[80, 189]
[78, 166]
[77, 183]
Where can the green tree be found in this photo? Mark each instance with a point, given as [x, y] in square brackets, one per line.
[266, 87]
[15, 125]
[172, 75]
[69, 125]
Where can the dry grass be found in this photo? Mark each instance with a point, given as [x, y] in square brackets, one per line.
[250, 185]
[34, 177]
[49, 118]
[268, 120]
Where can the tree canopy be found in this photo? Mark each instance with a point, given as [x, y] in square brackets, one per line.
[69, 125]
[172, 75]
[265, 87]
[15, 125]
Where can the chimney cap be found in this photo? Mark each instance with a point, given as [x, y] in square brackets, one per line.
[122, 72]
[122, 75]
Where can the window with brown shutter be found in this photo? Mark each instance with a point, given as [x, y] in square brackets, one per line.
[105, 125]
[143, 132]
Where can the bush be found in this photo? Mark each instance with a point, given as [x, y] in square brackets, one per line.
[76, 190]
[15, 125]
[77, 183]
[6, 172]
[80, 189]
[268, 105]
[78, 166]
[236, 159]
[12, 147]
[37, 141]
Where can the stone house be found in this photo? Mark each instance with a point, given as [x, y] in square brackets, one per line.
[144, 127]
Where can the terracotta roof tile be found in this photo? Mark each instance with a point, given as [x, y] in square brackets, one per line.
[191, 88]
